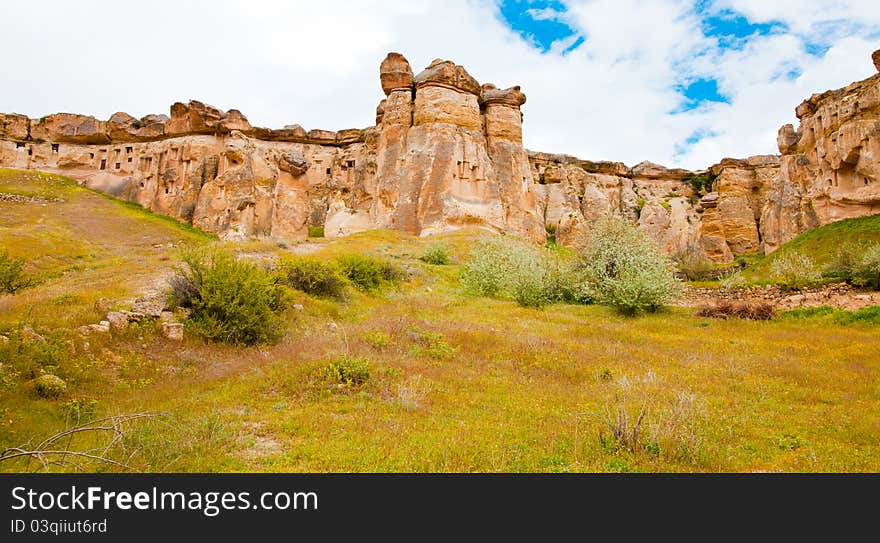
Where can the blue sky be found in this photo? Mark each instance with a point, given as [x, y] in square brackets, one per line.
[677, 82]
[550, 28]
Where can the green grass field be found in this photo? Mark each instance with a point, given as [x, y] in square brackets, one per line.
[455, 383]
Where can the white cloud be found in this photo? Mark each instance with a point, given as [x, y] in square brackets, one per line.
[316, 64]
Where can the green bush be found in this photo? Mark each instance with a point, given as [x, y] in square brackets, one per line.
[316, 231]
[436, 254]
[349, 370]
[368, 273]
[313, 277]
[49, 386]
[507, 267]
[531, 275]
[12, 276]
[869, 265]
[232, 301]
[693, 264]
[846, 261]
[794, 271]
[625, 268]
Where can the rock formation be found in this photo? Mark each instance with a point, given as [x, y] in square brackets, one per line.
[446, 152]
[830, 166]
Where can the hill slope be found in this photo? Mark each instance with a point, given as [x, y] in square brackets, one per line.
[820, 244]
[80, 246]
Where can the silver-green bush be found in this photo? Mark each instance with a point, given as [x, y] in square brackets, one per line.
[794, 270]
[625, 268]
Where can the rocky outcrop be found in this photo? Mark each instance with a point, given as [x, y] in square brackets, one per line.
[830, 166]
[732, 210]
[450, 156]
[446, 153]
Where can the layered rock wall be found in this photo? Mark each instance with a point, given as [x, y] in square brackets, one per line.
[830, 165]
[446, 153]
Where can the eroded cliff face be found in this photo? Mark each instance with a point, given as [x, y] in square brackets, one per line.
[830, 166]
[446, 152]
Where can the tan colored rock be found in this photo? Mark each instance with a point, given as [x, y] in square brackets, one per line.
[447, 73]
[875, 56]
[173, 330]
[14, 127]
[395, 73]
[71, 128]
[118, 320]
[829, 168]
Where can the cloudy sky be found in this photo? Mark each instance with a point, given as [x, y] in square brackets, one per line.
[680, 83]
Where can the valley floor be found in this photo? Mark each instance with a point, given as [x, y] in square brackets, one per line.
[456, 383]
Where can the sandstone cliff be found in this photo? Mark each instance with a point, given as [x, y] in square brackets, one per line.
[446, 152]
[830, 166]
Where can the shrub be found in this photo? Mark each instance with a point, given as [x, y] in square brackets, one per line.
[734, 281]
[846, 262]
[349, 370]
[794, 271]
[436, 254]
[49, 386]
[869, 265]
[368, 273]
[484, 274]
[12, 276]
[724, 309]
[522, 271]
[232, 301]
[693, 264]
[430, 344]
[700, 182]
[316, 231]
[625, 268]
[313, 277]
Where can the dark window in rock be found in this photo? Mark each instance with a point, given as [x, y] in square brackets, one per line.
[866, 181]
[103, 163]
[829, 183]
[19, 145]
[118, 165]
[129, 159]
[328, 171]
[128, 150]
[91, 155]
[30, 151]
[54, 147]
[142, 184]
[351, 163]
[166, 190]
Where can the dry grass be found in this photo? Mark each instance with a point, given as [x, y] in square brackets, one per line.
[725, 309]
[456, 383]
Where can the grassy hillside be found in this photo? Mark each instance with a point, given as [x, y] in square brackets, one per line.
[455, 383]
[821, 244]
[80, 246]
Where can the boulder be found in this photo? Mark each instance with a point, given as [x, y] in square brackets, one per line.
[173, 330]
[118, 320]
[447, 73]
[293, 162]
[395, 73]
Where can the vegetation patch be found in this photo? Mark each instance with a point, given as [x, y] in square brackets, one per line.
[436, 254]
[725, 309]
[625, 269]
[369, 274]
[12, 275]
[231, 300]
[315, 277]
